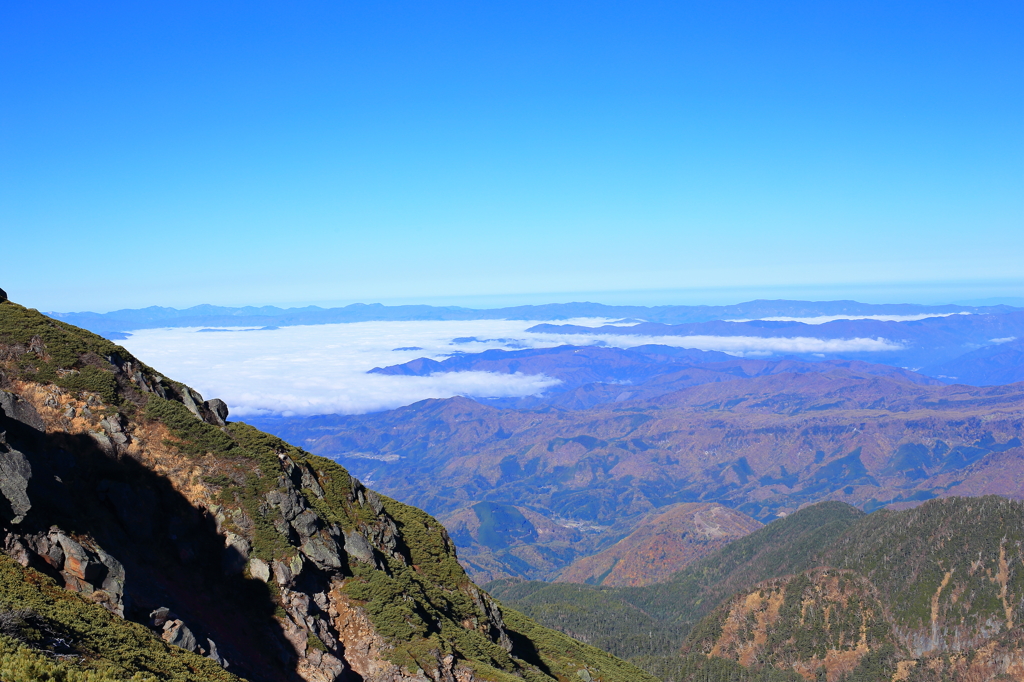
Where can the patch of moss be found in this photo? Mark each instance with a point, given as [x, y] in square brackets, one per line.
[314, 642]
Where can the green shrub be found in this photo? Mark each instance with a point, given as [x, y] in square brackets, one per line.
[109, 648]
[194, 436]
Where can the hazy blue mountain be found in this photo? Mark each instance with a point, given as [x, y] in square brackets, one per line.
[922, 342]
[593, 376]
[1001, 363]
[120, 321]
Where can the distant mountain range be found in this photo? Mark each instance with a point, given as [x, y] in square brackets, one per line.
[592, 375]
[114, 323]
[911, 343]
[762, 443]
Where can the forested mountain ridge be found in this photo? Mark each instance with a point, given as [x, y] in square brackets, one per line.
[930, 593]
[151, 537]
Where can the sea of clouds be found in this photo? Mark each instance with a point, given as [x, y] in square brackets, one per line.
[322, 369]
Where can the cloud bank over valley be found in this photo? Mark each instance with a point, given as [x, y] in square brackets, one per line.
[322, 369]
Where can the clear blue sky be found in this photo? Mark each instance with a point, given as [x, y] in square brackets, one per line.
[288, 153]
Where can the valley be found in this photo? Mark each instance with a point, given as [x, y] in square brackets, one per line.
[761, 445]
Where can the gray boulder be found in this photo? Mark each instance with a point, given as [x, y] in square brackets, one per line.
[259, 569]
[358, 547]
[306, 523]
[218, 410]
[322, 552]
[214, 655]
[236, 553]
[15, 473]
[177, 633]
[16, 408]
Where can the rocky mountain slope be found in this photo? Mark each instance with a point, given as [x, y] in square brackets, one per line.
[150, 537]
[931, 593]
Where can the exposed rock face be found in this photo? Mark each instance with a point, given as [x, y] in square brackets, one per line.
[20, 410]
[15, 473]
[219, 410]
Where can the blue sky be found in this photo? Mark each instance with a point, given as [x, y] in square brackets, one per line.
[291, 153]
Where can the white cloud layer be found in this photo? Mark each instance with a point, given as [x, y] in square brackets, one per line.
[322, 369]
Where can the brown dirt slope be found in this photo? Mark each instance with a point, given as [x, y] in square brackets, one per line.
[661, 545]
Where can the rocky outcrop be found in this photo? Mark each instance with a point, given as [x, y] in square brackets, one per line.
[15, 473]
[14, 407]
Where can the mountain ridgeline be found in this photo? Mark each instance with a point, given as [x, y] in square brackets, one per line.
[931, 593]
[117, 322]
[147, 537]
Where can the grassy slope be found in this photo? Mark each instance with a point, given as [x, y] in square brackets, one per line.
[102, 645]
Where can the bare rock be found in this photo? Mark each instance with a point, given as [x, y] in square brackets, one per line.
[159, 616]
[213, 655]
[113, 582]
[81, 563]
[306, 523]
[218, 410]
[47, 548]
[358, 547]
[259, 569]
[104, 442]
[322, 551]
[236, 553]
[16, 549]
[309, 481]
[15, 473]
[3, 295]
[288, 501]
[15, 408]
[192, 400]
[282, 573]
[177, 633]
[115, 432]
